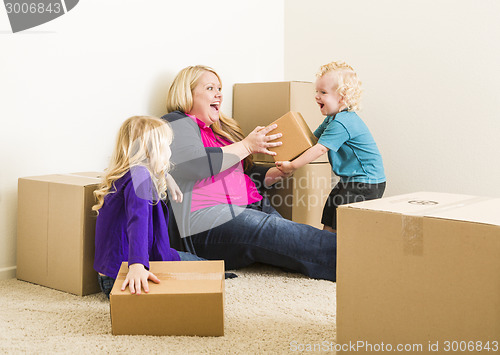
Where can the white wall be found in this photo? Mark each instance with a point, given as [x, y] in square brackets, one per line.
[431, 77]
[429, 68]
[66, 86]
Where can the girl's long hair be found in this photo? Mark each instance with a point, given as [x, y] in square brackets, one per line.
[180, 98]
[142, 141]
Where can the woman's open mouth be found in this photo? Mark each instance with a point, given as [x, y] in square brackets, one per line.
[215, 106]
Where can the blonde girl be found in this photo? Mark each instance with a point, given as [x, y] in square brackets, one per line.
[131, 223]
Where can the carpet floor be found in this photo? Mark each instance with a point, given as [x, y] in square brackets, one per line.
[267, 311]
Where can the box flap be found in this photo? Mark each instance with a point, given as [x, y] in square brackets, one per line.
[94, 174]
[179, 277]
[438, 205]
[77, 179]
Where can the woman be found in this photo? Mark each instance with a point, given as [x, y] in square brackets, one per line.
[223, 215]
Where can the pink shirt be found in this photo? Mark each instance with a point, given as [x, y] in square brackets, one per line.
[231, 186]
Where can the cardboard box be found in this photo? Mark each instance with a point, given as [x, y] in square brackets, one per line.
[296, 139]
[259, 104]
[421, 268]
[189, 300]
[301, 198]
[55, 231]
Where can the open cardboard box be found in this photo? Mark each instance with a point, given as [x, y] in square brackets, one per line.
[189, 300]
[421, 268]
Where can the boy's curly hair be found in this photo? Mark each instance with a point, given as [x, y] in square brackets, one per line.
[348, 83]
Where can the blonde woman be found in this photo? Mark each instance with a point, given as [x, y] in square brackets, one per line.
[131, 223]
[352, 151]
[223, 214]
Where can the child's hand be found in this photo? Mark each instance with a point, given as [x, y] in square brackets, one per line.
[138, 276]
[174, 189]
[285, 167]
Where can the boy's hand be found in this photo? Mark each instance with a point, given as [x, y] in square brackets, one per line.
[285, 167]
[138, 276]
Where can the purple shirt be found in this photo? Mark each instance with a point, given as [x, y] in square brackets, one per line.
[130, 226]
[231, 186]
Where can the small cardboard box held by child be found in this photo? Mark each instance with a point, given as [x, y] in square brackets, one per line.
[297, 137]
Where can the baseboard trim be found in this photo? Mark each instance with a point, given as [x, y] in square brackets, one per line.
[8, 273]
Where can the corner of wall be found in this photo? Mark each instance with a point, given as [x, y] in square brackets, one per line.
[8, 273]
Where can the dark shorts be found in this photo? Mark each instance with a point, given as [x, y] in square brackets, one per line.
[106, 284]
[348, 192]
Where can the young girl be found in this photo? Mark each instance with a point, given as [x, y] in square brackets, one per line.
[131, 223]
[352, 151]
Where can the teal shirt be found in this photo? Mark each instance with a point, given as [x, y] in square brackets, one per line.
[353, 153]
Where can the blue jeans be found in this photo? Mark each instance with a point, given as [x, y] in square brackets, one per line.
[106, 283]
[258, 233]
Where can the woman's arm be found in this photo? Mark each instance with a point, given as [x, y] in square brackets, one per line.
[192, 161]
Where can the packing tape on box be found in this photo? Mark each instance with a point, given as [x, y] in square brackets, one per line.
[413, 235]
[184, 275]
[412, 224]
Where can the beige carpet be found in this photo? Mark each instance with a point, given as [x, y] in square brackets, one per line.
[267, 311]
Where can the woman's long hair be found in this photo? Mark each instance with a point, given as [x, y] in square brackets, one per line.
[180, 98]
[142, 141]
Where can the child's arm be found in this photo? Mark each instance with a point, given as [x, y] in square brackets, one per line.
[138, 212]
[174, 189]
[138, 276]
[308, 156]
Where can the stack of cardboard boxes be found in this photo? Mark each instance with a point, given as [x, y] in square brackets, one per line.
[300, 198]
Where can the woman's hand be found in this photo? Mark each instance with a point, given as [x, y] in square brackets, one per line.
[138, 276]
[274, 175]
[175, 191]
[258, 141]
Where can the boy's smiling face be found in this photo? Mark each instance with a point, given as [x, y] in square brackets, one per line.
[329, 100]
